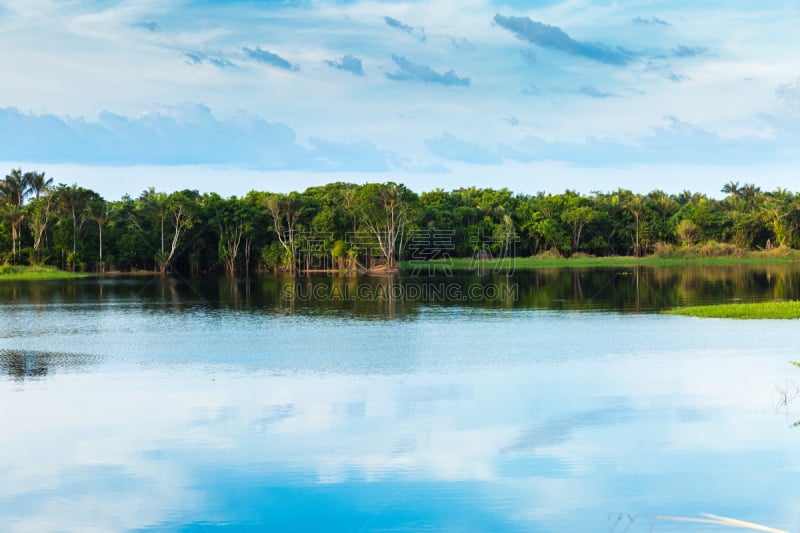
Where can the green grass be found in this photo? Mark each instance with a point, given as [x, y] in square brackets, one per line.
[532, 263]
[761, 310]
[26, 273]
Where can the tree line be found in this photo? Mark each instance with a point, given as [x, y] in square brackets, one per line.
[347, 226]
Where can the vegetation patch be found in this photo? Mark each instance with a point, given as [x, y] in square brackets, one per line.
[371, 227]
[760, 310]
[21, 272]
[721, 249]
[552, 260]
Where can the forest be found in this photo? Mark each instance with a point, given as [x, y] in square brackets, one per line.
[374, 225]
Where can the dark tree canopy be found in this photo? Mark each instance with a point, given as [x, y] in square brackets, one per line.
[344, 225]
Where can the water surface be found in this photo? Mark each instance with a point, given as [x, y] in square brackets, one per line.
[219, 405]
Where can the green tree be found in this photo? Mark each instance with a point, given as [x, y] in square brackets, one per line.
[664, 206]
[14, 189]
[37, 183]
[100, 212]
[687, 231]
[179, 215]
[234, 222]
[577, 217]
[384, 211]
[636, 207]
[286, 210]
[72, 202]
[40, 211]
[731, 188]
[781, 211]
[156, 205]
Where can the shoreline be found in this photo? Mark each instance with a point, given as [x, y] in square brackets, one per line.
[28, 273]
[778, 310]
[535, 263]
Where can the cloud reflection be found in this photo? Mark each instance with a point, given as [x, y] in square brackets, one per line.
[545, 447]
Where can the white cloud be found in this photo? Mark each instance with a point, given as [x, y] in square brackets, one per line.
[99, 58]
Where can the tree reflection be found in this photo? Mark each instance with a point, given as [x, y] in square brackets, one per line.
[639, 289]
[22, 365]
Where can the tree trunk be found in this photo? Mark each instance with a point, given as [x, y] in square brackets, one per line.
[179, 227]
[74, 239]
[100, 228]
[247, 257]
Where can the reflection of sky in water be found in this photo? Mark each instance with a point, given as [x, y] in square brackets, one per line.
[491, 421]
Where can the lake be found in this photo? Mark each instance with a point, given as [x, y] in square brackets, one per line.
[541, 401]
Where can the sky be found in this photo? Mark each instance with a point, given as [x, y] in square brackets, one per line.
[273, 95]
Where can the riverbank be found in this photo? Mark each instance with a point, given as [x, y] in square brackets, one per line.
[532, 263]
[785, 256]
[36, 273]
[748, 311]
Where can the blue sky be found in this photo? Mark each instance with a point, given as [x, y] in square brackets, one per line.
[280, 95]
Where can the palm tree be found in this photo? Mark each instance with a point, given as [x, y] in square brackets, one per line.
[750, 193]
[636, 206]
[13, 192]
[16, 187]
[37, 183]
[37, 223]
[8, 214]
[732, 188]
[665, 206]
[157, 205]
[73, 200]
[686, 197]
[99, 211]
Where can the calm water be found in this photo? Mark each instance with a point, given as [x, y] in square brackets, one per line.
[542, 402]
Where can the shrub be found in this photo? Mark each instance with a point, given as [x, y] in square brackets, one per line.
[552, 253]
[339, 249]
[664, 250]
[272, 256]
[687, 232]
[709, 249]
[782, 252]
[719, 249]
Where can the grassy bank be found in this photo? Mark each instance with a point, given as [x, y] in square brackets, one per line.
[25, 273]
[530, 263]
[761, 310]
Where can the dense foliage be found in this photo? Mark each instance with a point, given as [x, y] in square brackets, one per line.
[752, 310]
[342, 225]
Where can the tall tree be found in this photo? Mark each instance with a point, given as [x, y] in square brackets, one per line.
[577, 217]
[285, 210]
[636, 207]
[383, 209]
[731, 188]
[99, 211]
[14, 190]
[72, 200]
[37, 182]
[750, 193]
[781, 210]
[40, 211]
[156, 205]
[233, 224]
[179, 213]
[664, 206]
